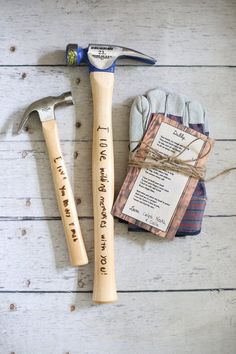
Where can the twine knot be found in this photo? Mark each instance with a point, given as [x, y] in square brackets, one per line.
[167, 163]
[145, 156]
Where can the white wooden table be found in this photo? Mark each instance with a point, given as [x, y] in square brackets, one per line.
[175, 297]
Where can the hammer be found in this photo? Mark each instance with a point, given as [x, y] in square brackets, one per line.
[45, 108]
[101, 60]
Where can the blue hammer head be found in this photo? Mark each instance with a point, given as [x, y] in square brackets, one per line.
[103, 57]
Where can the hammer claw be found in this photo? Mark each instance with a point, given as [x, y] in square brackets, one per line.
[24, 120]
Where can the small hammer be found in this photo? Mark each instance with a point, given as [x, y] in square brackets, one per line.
[101, 60]
[65, 199]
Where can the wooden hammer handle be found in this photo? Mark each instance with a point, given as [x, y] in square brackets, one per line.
[65, 198]
[104, 289]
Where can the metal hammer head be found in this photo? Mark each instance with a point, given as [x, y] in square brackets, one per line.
[45, 108]
[102, 57]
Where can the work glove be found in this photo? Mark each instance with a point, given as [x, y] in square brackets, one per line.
[189, 113]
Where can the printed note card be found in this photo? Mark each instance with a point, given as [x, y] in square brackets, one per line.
[154, 199]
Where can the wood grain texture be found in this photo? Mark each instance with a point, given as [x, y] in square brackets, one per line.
[35, 258]
[28, 161]
[215, 88]
[158, 321]
[182, 32]
[64, 195]
[103, 183]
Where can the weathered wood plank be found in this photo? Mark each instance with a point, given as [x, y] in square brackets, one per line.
[34, 257]
[214, 87]
[139, 323]
[182, 32]
[33, 253]
[27, 189]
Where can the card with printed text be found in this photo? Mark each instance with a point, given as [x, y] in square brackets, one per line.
[154, 199]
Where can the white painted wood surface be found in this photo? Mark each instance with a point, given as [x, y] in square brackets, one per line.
[143, 261]
[214, 87]
[28, 161]
[168, 298]
[140, 323]
[182, 32]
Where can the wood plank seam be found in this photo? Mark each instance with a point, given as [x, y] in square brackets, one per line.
[119, 291]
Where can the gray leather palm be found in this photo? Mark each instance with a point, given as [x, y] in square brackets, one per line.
[168, 103]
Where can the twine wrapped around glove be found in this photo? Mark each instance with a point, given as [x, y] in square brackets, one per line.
[167, 163]
[173, 163]
[189, 113]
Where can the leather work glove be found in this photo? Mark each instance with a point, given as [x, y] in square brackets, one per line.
[189, 113]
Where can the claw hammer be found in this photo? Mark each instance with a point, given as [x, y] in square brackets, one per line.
[101, 60]
[65, 199]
